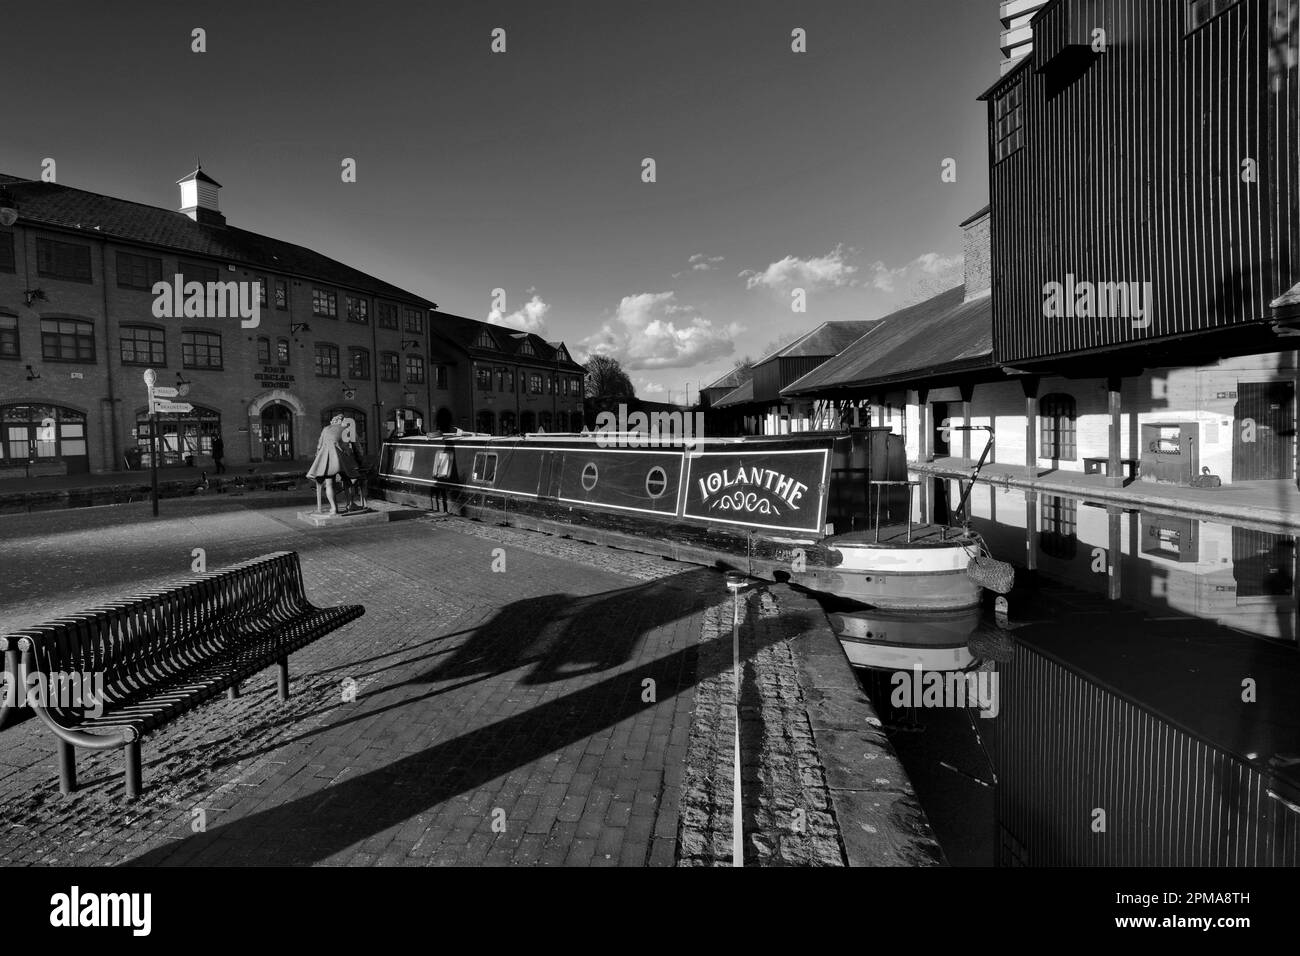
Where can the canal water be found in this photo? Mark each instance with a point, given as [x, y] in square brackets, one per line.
[1135, 700]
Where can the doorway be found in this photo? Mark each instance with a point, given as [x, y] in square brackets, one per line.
[277, 432]
[1263, 431]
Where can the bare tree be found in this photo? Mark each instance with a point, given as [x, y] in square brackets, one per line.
[606, 379]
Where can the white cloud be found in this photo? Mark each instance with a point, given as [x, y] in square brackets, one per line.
[929, 266]
[652, 330]
[531, 317]
[820, 272]
[700, 263]
[650, 388]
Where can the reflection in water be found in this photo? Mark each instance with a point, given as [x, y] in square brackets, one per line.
[1148, 713]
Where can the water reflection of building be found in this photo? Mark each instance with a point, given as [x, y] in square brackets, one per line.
[1240, 577]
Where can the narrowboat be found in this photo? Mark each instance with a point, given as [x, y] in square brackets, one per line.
[828, 511]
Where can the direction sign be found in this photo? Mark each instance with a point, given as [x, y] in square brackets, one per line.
[164, 391]
[168, 408]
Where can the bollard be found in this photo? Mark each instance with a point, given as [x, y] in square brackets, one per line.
[736, 584]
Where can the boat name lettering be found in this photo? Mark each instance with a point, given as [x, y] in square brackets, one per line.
[785, 488]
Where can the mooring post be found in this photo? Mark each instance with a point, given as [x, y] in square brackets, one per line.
[735, 584]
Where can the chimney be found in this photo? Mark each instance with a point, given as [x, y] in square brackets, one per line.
[199, 198]
[975, 247]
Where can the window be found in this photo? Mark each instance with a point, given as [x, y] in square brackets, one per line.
[358, 310]
[8, 336]
[501, 379]
[1200, 12]
[180, 437]
[1008, 134]
[327, 360]
[143, 346]
[198, 272]
[358, 363]
[414, 321]
[281, 295]
[507, 423]
[656, 482]
[510, 380]
[486, 422]
[264, 351]
[282, 351]
[535, 383]
[324, 303]
[1056, 415]
[440, 376]
[562, 421]
[261, 291]
[387, 315]
[201, 350]
[1059, 521]
[527, 422]
[6, 251]
[390, 369]
[544, 422]
[63, 260]
[485, 466]
[486, 341]
[137, 272]
[414, 370]
[67, 340]
[526, 347]
[483, 378]
[442, 463]
[405, 421]
[577, 386]
[550, 384]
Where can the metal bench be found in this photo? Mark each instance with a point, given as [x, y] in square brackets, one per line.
[166, 651]
[1100, 465]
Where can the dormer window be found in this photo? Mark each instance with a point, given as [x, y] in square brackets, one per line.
[486, 341]
[526, 348]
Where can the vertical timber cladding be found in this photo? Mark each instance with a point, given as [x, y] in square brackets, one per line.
[1137, 166]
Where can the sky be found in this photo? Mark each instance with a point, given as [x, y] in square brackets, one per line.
[524, 170]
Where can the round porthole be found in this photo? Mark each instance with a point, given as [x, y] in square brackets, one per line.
[590, 476]
[656, 482]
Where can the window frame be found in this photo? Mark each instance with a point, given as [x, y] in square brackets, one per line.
[192, 349]
[77, 358]
[384, 367]
[419, 366]
[355, 352]
[361, 310]
[331, 300]
[45, 263]
[152, 360]
[329, 349]
[130, 259]
[1008, 143]
[5, 319]
[1058, 427]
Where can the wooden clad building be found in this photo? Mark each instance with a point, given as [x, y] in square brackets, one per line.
[1146, 142]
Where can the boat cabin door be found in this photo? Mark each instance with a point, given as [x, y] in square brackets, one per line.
[550, 470]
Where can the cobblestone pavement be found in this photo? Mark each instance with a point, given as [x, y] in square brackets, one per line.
[539, 714]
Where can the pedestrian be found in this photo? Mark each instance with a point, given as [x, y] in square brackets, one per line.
[218, 453]
[332, 461]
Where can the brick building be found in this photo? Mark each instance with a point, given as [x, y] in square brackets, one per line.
[501, 381]
[79, 326]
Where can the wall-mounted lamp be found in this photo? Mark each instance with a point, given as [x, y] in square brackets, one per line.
[32, 376]
[31, 295]
[182, 385]
[413, 343]
[297, 327]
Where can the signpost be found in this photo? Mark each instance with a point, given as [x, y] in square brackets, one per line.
[170, 408]
[150, 377]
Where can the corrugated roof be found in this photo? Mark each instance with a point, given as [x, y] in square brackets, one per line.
[941, 333]
[743, 395]
[106, 217]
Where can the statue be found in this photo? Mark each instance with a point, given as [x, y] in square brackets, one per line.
[332, 461]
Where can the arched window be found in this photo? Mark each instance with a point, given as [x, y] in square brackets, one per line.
[544, 422]
[404, 420]
[1058, 534]
[180, 437]
[506, 423]
[263, 351]
[357, 417]
[527, 422]
[487, 421]
[561, 421]
[282, 351]
[1057, 427]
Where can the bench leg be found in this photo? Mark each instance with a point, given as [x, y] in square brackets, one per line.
[232, 693]
[284, 678]
[67, 767]
[133, 770]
